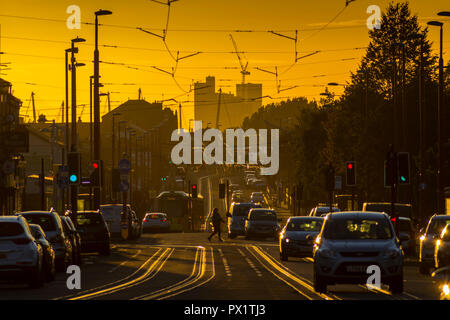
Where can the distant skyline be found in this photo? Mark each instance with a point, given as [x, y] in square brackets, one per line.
[35, 47]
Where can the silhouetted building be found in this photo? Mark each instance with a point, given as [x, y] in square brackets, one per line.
[233, 108]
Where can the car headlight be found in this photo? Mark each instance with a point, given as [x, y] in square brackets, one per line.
[287, 240]
[326, 253]
[391, 254]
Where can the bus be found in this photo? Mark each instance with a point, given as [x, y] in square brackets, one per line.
[183, 212]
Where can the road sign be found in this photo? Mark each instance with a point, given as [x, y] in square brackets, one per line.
[8, 167]
[338, 182]
[124, 185]
[124, 166]
[63, 176]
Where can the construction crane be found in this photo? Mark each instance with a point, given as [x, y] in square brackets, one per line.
[34, 107]
[244, 71]
[218, 108]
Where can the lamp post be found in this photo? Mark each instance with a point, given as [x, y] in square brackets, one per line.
[73, 142]
[441, 115]
[421, 173]
[119, 138]
[97, 102]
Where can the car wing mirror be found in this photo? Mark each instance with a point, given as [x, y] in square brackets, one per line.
[228, 215]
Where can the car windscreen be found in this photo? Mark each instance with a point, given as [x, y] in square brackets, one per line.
[10, 229]
[437, 225]
[46, 221]
[112, 213]
[311, 225]
[242, 210]
[89, 219]
[261, 215]
[404, 226]
[36, 232]
[357, 229]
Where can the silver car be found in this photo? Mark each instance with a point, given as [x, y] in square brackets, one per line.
[428, 241]
[349, 243]
[21, 255]
[155, 221]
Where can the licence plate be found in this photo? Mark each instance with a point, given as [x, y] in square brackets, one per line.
[356, 269]
[3, 256]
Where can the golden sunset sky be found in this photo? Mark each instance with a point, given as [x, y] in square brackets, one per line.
[35, 47]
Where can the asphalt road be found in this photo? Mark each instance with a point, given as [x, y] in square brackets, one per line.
[187, 266]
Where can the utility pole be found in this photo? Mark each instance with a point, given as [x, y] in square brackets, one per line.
[34, 107]
[97, 156]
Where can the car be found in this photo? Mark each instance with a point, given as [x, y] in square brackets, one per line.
[262, 222]
[74, 237]
[322, 211]
[95, 236]
[442, 249]
[236, 218]
[51, 223]
[297, 237]
[257, 197]
[349, 242]
[21, 255]
[114, 218]
[428, 239]
[401, 209]
[155, 221]
[407, 230]
[47, 249]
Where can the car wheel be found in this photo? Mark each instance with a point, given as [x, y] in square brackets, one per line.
[424, 268]
[37, 277]
[283, 256]
[320, 285]
[396, 285]
[50, 276]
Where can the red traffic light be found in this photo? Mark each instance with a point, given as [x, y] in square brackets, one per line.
[95, 165]
[194, 186]
[350, 166]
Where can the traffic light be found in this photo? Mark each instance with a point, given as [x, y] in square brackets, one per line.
[96, 173]
[403, 168]
[194, 191]
[221, 190]
[350, 169]
[74, 164]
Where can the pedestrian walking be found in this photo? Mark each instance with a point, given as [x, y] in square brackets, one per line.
[216, 220]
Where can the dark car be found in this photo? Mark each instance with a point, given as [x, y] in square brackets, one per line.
[51, 223]
[407, 232]
[236, 218]
[297, 236]
[94, 232]
[442, 250]
[49, 253]
[262, 222]
[74, 237]
[428, 240]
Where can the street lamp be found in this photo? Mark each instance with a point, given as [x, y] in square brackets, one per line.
[73, 143]
[441, 115]
[97, 102]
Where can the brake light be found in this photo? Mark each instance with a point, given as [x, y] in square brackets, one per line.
[393, 219]
[164, 220]
[22, 241]
[145, 220]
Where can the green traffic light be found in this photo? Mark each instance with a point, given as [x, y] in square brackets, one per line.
[403, 178]
[73, 178]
